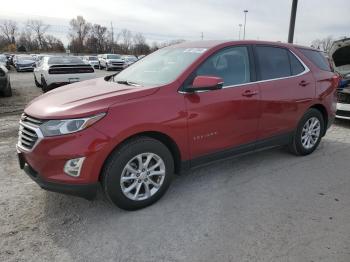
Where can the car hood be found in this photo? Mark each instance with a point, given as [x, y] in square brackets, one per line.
[340, 54]
[24, 62]
[83, 99]
[115, 60]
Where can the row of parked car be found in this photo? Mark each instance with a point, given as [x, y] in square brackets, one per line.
[51, 71]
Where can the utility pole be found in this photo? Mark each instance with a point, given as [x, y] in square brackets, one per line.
[112, 37]
[245, 22]
[202, 36]
[239, 34]
[292, 21]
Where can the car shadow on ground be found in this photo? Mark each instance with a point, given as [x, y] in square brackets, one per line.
[198, 203]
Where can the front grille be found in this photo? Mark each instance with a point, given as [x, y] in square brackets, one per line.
[26, 65]
[28, 131]
[343, 97]
[118, 63]
[343, 113]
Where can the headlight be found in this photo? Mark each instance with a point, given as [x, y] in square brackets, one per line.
[67, 126]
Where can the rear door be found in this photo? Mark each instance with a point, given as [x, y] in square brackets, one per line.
[287, 88]
[228, 117]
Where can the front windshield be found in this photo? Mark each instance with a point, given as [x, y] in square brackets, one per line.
[22, 58]
[161, 67]
[113, 56]
[93, 58]
[2, 58]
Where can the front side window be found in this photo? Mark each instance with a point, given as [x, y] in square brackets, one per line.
[231, 64]
[273, 62]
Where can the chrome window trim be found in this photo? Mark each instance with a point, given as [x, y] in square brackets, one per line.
[306, 70]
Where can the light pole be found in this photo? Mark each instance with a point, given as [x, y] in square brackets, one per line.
[245, 22]
[293, 14]
[240, 28]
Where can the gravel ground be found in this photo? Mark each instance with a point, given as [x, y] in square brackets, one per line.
[267, 206]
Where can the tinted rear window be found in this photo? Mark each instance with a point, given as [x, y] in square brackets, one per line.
[317, 58]
[273, 62]
[65, 60]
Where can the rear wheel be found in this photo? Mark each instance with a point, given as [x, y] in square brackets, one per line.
[44, 86]
[308, 134]
[8, 91]
[138, 173]
[36, 82]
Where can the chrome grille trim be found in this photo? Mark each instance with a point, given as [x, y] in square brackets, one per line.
[29, 134]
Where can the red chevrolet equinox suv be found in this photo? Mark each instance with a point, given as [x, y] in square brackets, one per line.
[180, 107]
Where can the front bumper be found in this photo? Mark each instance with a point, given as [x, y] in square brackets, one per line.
[45, 160]
[343, 111]
[87, 191]
[19, 68]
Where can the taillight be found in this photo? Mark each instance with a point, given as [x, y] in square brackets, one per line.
[335, 81]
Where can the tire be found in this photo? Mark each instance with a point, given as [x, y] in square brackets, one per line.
[44, 86]
[299, 145]
[8, 91]
[36, 82]
[127, 155]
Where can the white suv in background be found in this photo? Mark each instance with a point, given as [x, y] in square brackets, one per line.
[112, 61]
[92, 60]
[57, 71]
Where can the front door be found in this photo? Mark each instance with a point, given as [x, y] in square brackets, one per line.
[225, 118]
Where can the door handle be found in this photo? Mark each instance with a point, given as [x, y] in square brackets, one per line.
[303, 83]
[249, 93]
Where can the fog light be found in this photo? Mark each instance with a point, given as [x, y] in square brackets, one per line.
[73, 166]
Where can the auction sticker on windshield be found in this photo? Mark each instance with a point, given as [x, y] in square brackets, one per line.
[195, 50]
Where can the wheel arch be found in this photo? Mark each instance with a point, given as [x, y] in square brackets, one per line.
[324, 113]
[162, 137]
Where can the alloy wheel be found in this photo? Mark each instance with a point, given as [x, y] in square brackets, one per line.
[142, 176]
[310, 132]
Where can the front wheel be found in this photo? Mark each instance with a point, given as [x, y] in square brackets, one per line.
[8, 91]
[138, 173]
[308, 134]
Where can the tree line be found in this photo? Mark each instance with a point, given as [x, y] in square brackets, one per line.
[84, 37]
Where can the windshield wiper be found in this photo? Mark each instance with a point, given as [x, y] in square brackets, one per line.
[129, 83]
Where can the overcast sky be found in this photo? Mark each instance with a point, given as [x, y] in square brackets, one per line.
[161, 20]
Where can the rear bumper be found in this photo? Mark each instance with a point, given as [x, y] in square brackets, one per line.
[87, 191]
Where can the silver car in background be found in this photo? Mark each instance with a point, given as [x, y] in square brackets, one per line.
[92, 60]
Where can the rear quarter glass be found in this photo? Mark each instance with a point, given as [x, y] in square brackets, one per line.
[317, 58]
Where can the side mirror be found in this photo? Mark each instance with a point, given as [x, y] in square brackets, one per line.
[206, 83]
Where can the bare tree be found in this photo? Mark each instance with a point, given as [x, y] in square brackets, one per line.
[126, 40]
[78, 32]
[140, 46]
[323, 44]
[39, 29]
[9, 30]
[53, 44]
